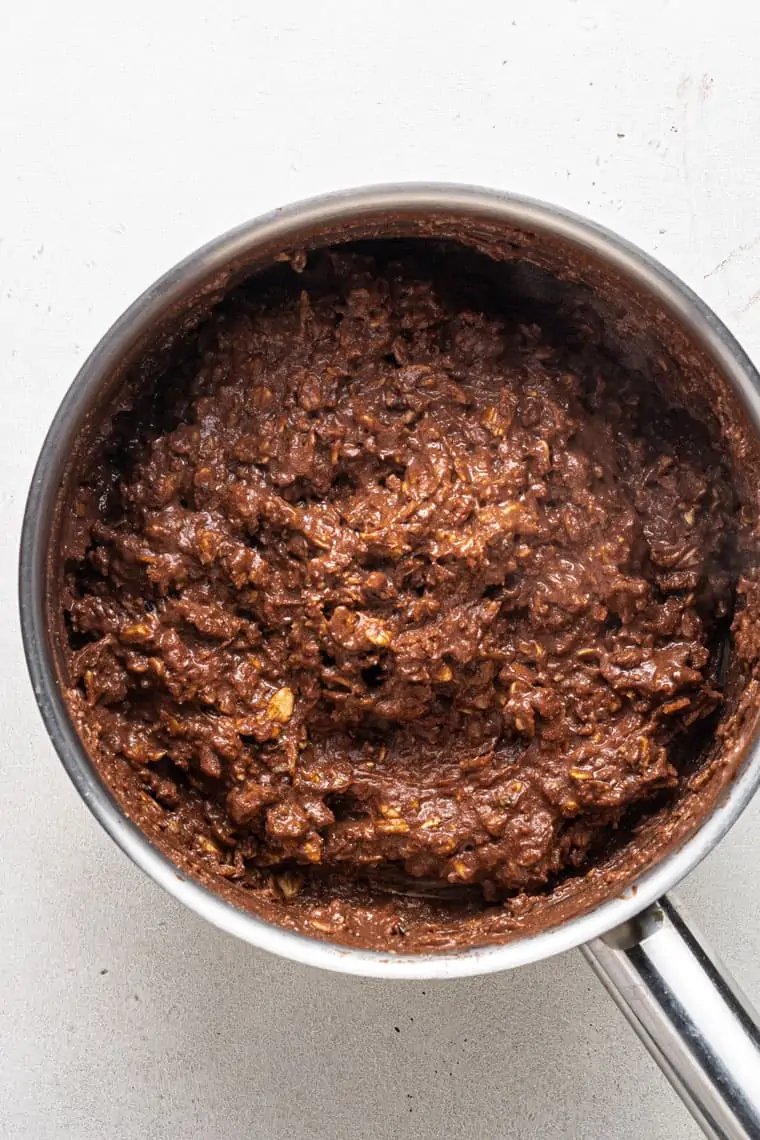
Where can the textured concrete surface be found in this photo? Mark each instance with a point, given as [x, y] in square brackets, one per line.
[128, 135]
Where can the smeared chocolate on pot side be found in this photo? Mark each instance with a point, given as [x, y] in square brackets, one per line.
[391, 607]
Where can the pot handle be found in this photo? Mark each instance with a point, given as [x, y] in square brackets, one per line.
[689, 1013]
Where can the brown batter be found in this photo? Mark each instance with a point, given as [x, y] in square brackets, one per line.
[395, 593]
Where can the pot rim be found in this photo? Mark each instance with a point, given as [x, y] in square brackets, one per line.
[284, 225]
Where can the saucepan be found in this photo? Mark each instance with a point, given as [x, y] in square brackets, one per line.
[689, 1013]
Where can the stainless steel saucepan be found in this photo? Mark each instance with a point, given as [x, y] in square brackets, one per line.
[689, 1013]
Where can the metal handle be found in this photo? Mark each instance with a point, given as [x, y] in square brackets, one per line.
[689, 1013]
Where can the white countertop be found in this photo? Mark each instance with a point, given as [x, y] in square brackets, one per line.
[128, 136]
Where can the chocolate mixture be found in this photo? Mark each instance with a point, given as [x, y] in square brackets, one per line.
[393, 591]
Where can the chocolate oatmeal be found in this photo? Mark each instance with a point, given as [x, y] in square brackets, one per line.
[394, 591]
